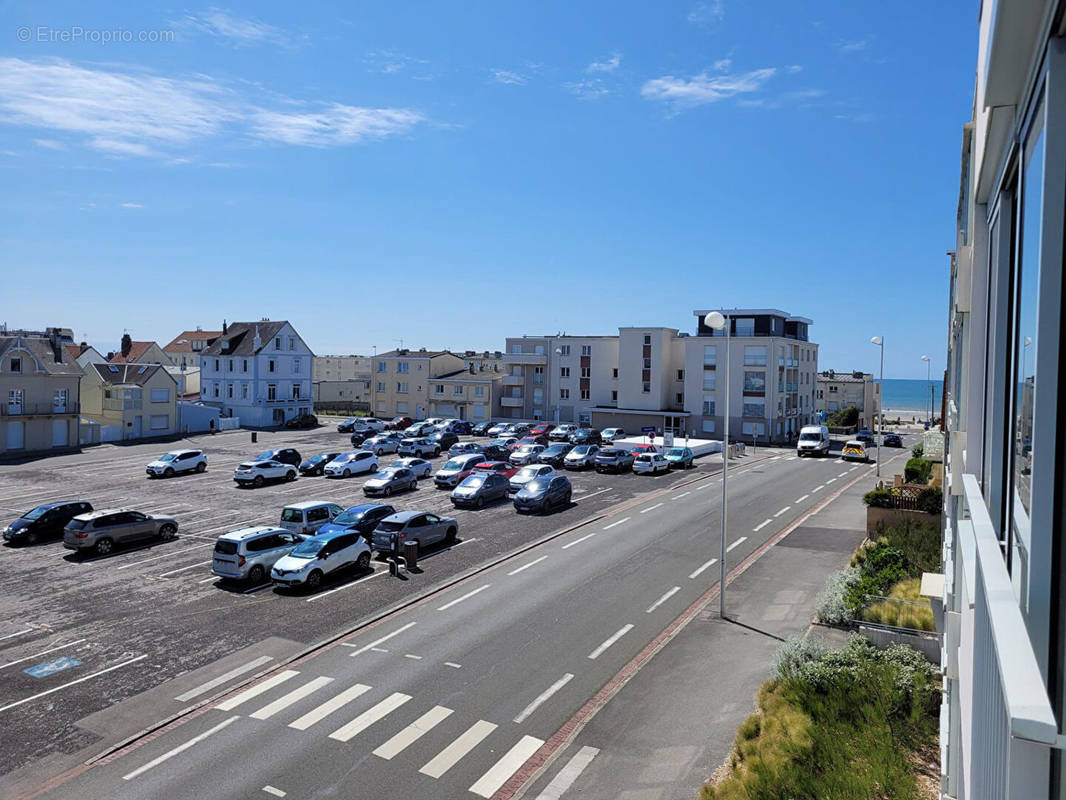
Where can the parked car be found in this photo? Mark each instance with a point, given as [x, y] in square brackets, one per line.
[651, 463]
[582, 456]
[854, 450]
[526, 454]
[498, 429]
[481, 429]
[612, 434]
[308, 516]
[460, 427]
[502, 467]
[303, 420]
[518, 430]
[544, 493]
[314, 558]
[531, 439]
[362, 519]
[354, 462]
[435, 421]
[45, 521]
[510, 442]
[381, 444]
[813, 441]
[679, 457]
[866, 436]
[348, 425]
[420, 429]
[528, 473]
[561, 433]
[102, 531]
[399, 423]
[893, 440]
[420, 526]
[495, 452]
[555, 453]
[541, 429]
[358, 437]
[613, 459]
[316, 464]
[259, 472]
[419, 466]
[479, 488]
[455, 469]
[443, 439]
[390, 480]
[369, 423]
[286, 455]
[586, 436]
[170, 464]
[637, 449]
[460, 448]
[418, 447]
[249, 553]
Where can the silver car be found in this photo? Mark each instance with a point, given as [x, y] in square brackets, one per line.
[419, 466]
[462, 448]
[418, 447]
[581, 457]
[420, 526]
[389, 480]
[529, 473]
[101, 531]
[380, 444]
[526, 454]
[249, 553]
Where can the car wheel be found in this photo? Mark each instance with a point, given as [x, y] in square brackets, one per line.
[347, 473]
[255, 575]
[290, 475]
[258, 481]
[449, 537]
[201, 467]
[480, 502]
[387, 491]
[363, 562]
[567, 499]
[168, 472]
[31, 538]
[167, 532]
[104, 546]
[314, 580]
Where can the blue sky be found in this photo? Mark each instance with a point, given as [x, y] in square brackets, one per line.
[453, 174]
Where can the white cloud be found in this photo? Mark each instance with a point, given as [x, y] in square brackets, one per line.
[240, 31]
[590, 89]
[722, 64]
[390, 62]
[138, 114]
[707, 13]
[50, 144]
[703, 88]
[610, 65]
[794, 68]
[507, 77]
[129, 205]
[853, 46]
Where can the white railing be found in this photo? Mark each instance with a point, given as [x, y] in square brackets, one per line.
[229, 423]
[1012, 728]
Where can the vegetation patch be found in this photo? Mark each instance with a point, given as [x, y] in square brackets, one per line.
[903, 607]
[844, 418]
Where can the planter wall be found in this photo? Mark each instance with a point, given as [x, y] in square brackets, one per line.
[928, 644]
[876, 517]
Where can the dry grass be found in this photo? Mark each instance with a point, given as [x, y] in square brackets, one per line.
[905, 608]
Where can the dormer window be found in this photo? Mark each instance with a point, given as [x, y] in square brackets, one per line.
[16, 365]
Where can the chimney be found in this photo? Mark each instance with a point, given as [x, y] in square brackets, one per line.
[256, 341]
[57, 348]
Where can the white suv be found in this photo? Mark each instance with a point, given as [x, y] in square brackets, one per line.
[170, 464]
[351, 463]
[314, 558]
[651, 463]
[259, 472]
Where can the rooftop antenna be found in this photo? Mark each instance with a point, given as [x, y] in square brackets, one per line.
[400, 341]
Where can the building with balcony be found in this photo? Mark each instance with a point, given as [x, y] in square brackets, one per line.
[400, 380]
[137, 400]
[1004, 622]
[559, 378]
[469, 395]
[838, 390]
[40, 393]
[260, 372]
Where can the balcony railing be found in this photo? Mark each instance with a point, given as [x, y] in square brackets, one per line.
[513, 380]
[512, 402]
[535, 359]
[37, 409]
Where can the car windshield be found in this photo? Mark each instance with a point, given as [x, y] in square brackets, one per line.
[810, 437]
[610, 453]
[538, 485]
[581, 449]
[554, 449]
[474, 481]
[316, 459]
[675, 451]
[383, 475]
[168, 456]
[526, 448]
[306, 549]
[292, 515]
[348, 517]
[390, 527]
[266, 455]
[527, 472]
[36, 513]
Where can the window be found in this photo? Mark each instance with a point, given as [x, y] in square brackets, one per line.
[586, 372]
[647, 339]
[292, 342]
[564, 372]
[403, 366]
[754, 381]
[538, 375]
[564, 349]
[14, 401]
[584, 394]
[401, 408]
[159, 422]
[479, 391]
[681, 374]
[586, 349]
[438, 388]
[646, 388]
[832, 390]
[680, 398]
[381, 386]
[16, 365]
[244, 391]
[709, 381]
[647, 363]
[753, 428]
[277, 343]
[755, 356]
[197, 344]
[754, 407]
[564, 394]
[614, 373]
[744, 326]
[160, 395]
[229, 390]
[244, 365]
[382, 366]
[216, 365]
[458, 389]
[401, 388]
[216, 389]
[710, 355]
[516, 348]
[539, 349]
[708, 426]
[708, 406]
[614, 395]
[296, 365]
[272, 391]
[296, 391]
[538, 397]
[270, 365]
[229, 365]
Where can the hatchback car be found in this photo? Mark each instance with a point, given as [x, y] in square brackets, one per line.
[532, 439]
[399, 423]
[462, 448]
[170, 464]
[419, 429]
[381, 444]
[419, 466]
[545, 493]
[680, 457]
[509, 442]
[502, 467]
[637, 449]
[358, 437]
[456, 469]
[518, 430]
[613, 459]
[528, 473]
[582, 456]
[369, 423]
[418, 447]
[613, 434]
[286, 455]
[102, 531]
[555, 453]
[389, 481]
[526, 454]
[308, 516]
[498, 429]
[419, 526]
[257, 473]
[541, 429]
[479, 488]
[302, 421]
[893, 440]
[561, 433]
[854, 450]
[354, 462]
[45, 522]
[348, 425]
[495, 452]
[362, 519]
[650, 463]
[586, 436]
[443, 439]
[316, 464]
[481, 429]
[249, 553]
[866, 436]
[314, 558]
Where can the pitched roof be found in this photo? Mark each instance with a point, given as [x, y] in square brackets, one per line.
[415, 354]
[137, 349]
[41, 348]
[182, 343]
[116, 374]
[73, 351]
[240, 338]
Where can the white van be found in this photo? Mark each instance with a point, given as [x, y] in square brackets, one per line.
[813, 441]
[308, 517]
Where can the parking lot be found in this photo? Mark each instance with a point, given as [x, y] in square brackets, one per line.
[82, 633]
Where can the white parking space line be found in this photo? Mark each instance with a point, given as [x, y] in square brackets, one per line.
[72, 683]
[450, 755]
[618, 635]
[255, 691]
[679, 496]
[385, 638]
[782, 511]
[328, 592]
[615, 524]
[203, 688]
[319, 713]
[164, 555]
[369, 717]
[182, 569]
[489, 783]
[650, 508]
[212, 578]
[587, 496]
[412, 657]
[413, 732]
[286, 700]
[543, 697]
[155, 762]
[738, 542]
[565, 777]
[466, 596]
[527, 566]
[43, 652]
[453, 665]
[16, 633]
[578, 541]
[761, 525]
[818, 488]
[791, 458]
[271, 790]
[703, 567]
[663, 599]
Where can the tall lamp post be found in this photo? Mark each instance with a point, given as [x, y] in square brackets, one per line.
[716, 321]
[929, 386]
[558, 352]
[877, 340]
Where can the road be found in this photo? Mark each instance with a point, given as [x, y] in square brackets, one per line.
[451, 697]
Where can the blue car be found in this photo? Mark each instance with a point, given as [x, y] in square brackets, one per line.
[362, 519]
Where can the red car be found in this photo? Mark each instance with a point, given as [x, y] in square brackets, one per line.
[502, 467]
[643, 448]
[543, 429]
[398, 423]
[532, 439]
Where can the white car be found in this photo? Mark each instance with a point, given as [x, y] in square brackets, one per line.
[612, 434]
[259, 472]
[418, 447]
[581, 457]
[526, 454]
[170, 464]
[498, 429]
[419, 466]
[354, 462]
[561, 433]
[651, 463]
[368, 424]
[314, 558]
[379, 445]
[528, 473]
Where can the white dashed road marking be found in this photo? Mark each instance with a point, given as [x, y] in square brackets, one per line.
[739, 541]
[650, 508]
[613, 524]
[708, 565]
[663, 599]
[155, 762]
[543, 697]
[466, 596]
[599, 650]
[385, 638]
[527, 566]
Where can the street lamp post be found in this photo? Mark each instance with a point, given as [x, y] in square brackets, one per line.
[929, 386]
[717, 321]
[877, 340]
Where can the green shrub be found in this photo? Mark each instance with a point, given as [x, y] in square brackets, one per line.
[879, 498]
[796, 652]
[880, 566]
[931, 500]
[844, 418]
[920, 544]
[833, 608]
[918, 450]
[917, 470]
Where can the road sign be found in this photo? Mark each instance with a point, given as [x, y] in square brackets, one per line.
[648, 429]
[52, 667]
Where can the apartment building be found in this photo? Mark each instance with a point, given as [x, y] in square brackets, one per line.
[1004, 621]
[342, 383]
[39, 393]
[400, 380]
[136, 400]
[260, 372]
[342, 368]
[185, 348]
[857, 389]
[468, 395]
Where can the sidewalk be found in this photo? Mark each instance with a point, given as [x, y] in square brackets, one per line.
[668, 729]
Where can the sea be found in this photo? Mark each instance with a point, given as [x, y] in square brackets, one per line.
[900, 394]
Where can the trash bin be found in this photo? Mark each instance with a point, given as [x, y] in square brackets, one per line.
[410, 554]
[255, 437]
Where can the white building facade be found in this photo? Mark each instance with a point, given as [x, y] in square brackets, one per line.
[558, 378]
